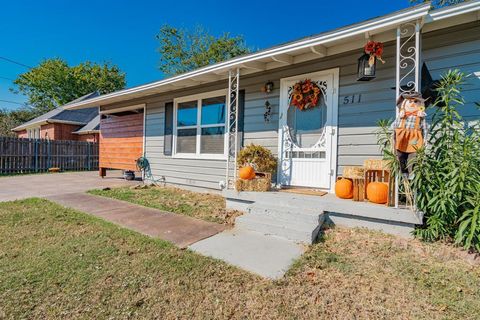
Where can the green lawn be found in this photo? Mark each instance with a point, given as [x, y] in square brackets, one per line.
[205, 206]
[57, 263]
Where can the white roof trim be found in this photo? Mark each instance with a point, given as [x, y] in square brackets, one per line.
[450, 11]
[86, 132]
[43, 122]
[122, 109]
[385, 22]
[30, 126]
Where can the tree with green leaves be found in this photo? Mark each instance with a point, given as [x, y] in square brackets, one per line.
[182, 50]
[12, 118]
[439, 3]
[54, 83]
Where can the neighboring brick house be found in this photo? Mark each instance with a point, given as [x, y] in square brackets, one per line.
[61, 124]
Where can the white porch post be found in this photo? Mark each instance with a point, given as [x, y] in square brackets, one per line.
[232, 128]
[408, 67]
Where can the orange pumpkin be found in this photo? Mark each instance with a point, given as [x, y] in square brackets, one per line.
[246, 173]
[377, 192]
[344, 188]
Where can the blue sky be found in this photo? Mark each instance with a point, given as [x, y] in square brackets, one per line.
[123, 32]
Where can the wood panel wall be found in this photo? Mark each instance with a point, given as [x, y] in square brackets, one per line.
[121, 141]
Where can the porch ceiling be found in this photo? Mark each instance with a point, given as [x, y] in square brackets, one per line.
[326, 44]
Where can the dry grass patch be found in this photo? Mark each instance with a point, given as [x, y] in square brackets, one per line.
[56, 263]
[372, 275]
[205, 206]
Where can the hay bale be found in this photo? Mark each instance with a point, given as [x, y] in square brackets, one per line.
[262, 182]
[376, 164]
[353, 172]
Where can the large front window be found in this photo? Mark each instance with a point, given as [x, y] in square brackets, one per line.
[200, 125]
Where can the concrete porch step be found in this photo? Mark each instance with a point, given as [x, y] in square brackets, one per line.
[291, 229]
[287, 213]
[397, 221]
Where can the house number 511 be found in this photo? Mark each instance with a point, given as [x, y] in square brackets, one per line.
[354, 98]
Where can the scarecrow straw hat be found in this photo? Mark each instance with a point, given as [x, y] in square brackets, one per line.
[410, 95]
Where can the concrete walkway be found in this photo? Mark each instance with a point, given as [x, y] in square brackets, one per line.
[267, 256]
[178, 229]
[48, 184]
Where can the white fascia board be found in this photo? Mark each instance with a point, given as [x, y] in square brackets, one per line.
[30, 125]
[451, 11]
[86, 132]
[66, 122]
[43, 122]
[388, 21]
[122, 109]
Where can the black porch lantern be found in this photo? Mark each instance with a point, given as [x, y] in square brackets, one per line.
[366, 72]
[269, 87]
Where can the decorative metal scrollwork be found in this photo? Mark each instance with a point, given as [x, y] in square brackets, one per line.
[232, 127]
[288, 142]
[408, 73]
[290, 145]
[290, 148]
[407, 58]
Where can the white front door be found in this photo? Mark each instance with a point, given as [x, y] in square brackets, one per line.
[308, 137]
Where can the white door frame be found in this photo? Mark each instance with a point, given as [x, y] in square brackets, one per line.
[331, 131]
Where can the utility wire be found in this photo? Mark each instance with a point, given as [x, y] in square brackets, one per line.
[9, 101]
[6, 78]
[16, 62]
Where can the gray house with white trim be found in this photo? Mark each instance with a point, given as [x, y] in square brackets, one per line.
[195, 123]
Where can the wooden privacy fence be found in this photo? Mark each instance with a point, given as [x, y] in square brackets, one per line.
[18, 155]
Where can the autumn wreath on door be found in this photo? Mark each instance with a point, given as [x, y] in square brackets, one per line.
[305, 95]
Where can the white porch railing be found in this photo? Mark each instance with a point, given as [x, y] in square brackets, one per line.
[232, 128]
[408, 67]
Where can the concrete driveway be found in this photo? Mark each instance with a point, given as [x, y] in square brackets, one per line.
[44, 185]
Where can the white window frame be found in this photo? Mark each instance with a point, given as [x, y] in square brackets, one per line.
[33, 133]
[199, 126]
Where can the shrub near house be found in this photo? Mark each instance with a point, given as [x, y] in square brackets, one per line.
[447, 172]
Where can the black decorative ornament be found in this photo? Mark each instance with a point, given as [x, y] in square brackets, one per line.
[268, 111]
[366, 72]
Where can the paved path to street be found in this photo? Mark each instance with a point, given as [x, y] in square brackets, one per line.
[262, 254]
[48, 184]
[265, 255]
[178, 229]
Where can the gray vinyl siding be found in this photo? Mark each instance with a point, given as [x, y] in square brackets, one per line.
[189, 172]
[457, 47]
[357, 122]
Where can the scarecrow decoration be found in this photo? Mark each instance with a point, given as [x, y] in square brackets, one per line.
[410, 127]
[305, 95]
